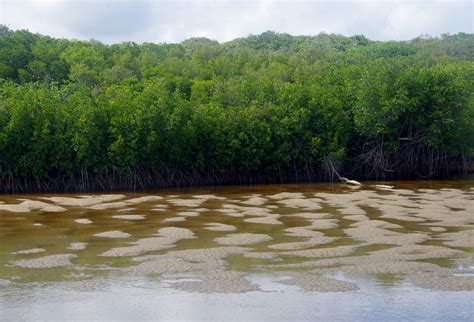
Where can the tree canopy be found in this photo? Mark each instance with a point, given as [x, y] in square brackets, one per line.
[81, 115]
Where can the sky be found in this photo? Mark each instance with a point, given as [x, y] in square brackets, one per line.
[113, 21]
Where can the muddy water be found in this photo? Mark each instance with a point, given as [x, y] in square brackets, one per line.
[406, 252]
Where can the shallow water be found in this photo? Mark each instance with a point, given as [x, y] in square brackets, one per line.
[326, 251]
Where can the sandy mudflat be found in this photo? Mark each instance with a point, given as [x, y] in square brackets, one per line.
[165, 238]
[174, 219]
[437, 229]
[27, 205]
[113, 234]
[255, 201]
[84, 201]
[304, 231]
[312, 215]
[219, 227]
[307, 204]
[83, 221]
[208, 197]
[77, 246]
[125, 209]
[420, 237]
[129, 217]
[188, 213]
[143, 199]
[30, 251]
[311, 242]
[352, 210]
[176, 233]
[287, 195]
[463, 238]
[186, 261]
[243, 239]
[267, 220]
[323, 224]
[443, 283]
[378, 232]
[357, 217]
[324, 252]
[266, 255]
[316, 283]
[51, 261]
[217, 282]
[108, 205]
[192, 203]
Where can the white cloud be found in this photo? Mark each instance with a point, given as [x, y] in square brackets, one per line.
[173, 21]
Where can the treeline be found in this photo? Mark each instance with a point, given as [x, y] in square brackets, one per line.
[80, 116]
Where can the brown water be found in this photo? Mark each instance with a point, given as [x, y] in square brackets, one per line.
[314, 240]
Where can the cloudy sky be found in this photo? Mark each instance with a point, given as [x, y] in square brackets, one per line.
[112, 21]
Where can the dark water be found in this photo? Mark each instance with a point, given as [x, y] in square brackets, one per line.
[366, 253]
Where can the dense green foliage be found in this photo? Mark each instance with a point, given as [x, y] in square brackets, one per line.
[82, 115]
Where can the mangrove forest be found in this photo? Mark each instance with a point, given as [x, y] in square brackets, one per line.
[84, 116]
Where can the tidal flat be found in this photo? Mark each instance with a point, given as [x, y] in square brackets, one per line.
[306, 244]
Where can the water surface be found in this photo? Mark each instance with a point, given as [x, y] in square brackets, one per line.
[326, 251]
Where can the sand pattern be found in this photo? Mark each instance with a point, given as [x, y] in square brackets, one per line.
[422, 236]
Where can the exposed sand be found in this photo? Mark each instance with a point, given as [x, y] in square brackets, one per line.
[174, 219]
[113, 234]
[208, 197]
[255, 201]
[77, 246]
[374, 232]
[50, 261]
[377, 232]
[267, 220]
[125, 209]
[315, 283]
[444, 283]
[287, 195]
[30, 251]
[27, 205]
[192, 203]
[243, 239]
[311, 242]
[165, 238]
[463, 238]
[108, 205]
[217, 282]
[84, 201]
[186, 261]
[312, 215]
[103, 202]
[323, 224]
[129, 217]
[83, 221]
[438, 229]
[324, 252]
[357, 217]
[352, 210]
[219, 227]
[188, 213]
[143, 199]
[307, 204]
[266, 255]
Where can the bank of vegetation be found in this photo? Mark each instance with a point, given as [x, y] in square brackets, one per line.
[81, 115]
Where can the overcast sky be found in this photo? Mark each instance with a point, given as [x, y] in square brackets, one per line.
[112, 21]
